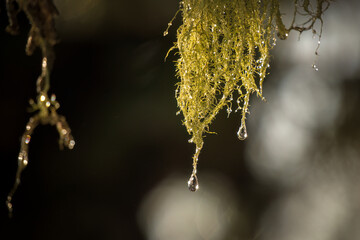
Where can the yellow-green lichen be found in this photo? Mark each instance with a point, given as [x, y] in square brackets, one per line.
[224, 56]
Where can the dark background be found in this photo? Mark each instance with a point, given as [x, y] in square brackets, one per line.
[117, 93]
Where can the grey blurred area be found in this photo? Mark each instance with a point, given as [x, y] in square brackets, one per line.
[306, 140]
[295, 177]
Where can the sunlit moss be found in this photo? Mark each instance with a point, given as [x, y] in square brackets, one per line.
[224, 53]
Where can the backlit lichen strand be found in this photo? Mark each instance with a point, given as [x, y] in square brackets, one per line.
[224, 56]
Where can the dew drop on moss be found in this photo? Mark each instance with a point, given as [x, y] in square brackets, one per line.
[242, 133]
[315, 67]
[193, 183]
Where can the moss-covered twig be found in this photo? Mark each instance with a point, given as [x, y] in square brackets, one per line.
[42, 35]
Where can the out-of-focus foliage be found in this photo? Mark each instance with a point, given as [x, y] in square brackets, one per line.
[41, 15]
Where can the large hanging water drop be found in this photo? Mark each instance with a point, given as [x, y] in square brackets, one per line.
[193, 183]
[242, 133]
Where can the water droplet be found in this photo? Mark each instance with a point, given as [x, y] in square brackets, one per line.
[63, 131]
[47, 104]
[44, 62]
[42, 98]
[71, 144]
[27, 139]
[166, 33]
[9, 206]
[315, 67]
[23, 158]
[28, 127]
[53, 98]
[282, 35]
[242, 133]
[193, 183]
[229, 110]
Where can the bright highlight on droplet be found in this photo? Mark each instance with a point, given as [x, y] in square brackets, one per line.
[71, 144]
[44, 62]
[27, 139]
[42, 98]
[315, 67]
[53, 98]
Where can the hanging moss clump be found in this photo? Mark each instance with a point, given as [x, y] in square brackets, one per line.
[224, 48]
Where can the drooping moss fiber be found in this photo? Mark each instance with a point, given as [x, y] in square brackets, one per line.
[224, 54]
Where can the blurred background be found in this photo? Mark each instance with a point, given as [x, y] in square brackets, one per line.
[295, 177]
